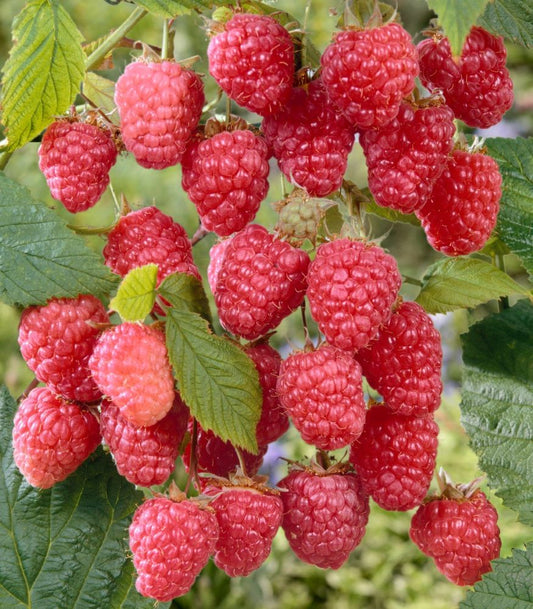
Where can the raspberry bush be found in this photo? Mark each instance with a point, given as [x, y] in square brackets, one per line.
[226, 252]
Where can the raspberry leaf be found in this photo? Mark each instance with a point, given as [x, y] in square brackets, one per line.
[389, 214]
[217, 380]
[515, 159]
[100, 91]
[460, 283]
[507, 585]
[510, 18]
[457, 17]
[136, 293]
[185, 292]
[43, 73]
[41, 257]
[496, 403]
[173, 8]
[89, 511]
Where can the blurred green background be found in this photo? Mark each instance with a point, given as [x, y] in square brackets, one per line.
[386, 571]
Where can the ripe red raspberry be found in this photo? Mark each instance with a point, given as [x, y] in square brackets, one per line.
[225, 176]
[216, 256]
[367, 73]
[460, 533]
[478, 88]
[262, 280]
[252, 60]
[52, 437]
[75, 159]
[322, 391]
[274, 421]
[144, 455]
[171, 542]
[310, 140]
[130, 365]
[403, 363]
[248, 519]
[149, 236]
[57, 339]
[324, 515]
[395, 457]
[352, 287]
[406, 156]
[214, 456]
[160, 104]
[462, 211]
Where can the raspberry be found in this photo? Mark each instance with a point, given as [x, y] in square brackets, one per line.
[75, 159]
[261, 281]
[352, 287]
[367, 73]
[57, 339]
[322, 391]
[395, 457]
[403, 363]
[324, 515]
[149, 236]
[144, 455]
[252, 60]
[460, 533]
[160, 104]
[406, 156]
[214, 456]
[130, 365]
[225, 176]
[171, 543]
[216, 256]
[248, 519]
[461, 213]
[274, 421]
[478, 88]
[51, 437]
[310, 140]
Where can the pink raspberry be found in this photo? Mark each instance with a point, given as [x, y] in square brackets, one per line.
[352, 287]
[248, 519]
[463, 208]
[310, 140]
[406, 156]
[149, 236]
[252, 59]
[144, 455]
[261, 281]
[478, 87]
[324, 515]
[52, 437]
[274, 421]
[130, 365]
[171, 542]
[75, 159]
[57, 339]
[322, 391]
[225, 176]
[367, 73]
[403, 363]
[160, 104]
[395, 457]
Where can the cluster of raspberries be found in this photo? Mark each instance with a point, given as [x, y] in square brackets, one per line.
[114, 383]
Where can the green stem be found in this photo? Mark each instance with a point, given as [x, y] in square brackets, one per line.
[111, 41]
[503, 302]
[412, 281]
[4, 160]
[164, 42]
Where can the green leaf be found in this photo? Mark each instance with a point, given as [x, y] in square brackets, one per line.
[457, 17]
[508, 585]
[172, 8]
[136, 293]
[389, 214]
[510, 18]
[101, 92]
[497, 403]
[460, 283]
[66, 546]
[217, 380]
[41, 258]
[515, 220]
[44, 71]
[185, 292]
